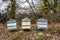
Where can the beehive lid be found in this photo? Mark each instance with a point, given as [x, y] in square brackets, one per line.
[25, 20]
[11, 21]
[42, 20]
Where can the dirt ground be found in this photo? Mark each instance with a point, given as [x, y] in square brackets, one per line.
[34, 34]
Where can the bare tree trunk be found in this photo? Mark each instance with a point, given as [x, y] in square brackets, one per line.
[30, 5]
[13, 9]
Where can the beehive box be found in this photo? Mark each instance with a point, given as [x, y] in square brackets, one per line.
[12, 25]
[42, 23]
[26, 23]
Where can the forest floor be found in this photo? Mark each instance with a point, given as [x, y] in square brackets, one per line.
[52, 33]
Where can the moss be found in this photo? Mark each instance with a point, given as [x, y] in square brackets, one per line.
[13, 9]
[40, 39]
[54, 30]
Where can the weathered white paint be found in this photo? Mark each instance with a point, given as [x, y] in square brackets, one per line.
[11, 25]
[42, 24]
[26, 23]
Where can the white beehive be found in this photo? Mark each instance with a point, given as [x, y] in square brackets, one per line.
[42, 23]
[26, 23]
[11, 25]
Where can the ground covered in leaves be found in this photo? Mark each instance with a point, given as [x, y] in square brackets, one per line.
[53, 33]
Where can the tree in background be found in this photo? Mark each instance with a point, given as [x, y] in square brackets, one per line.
[13, 9]
[35, 12]
[50, 10]
[45, 9]
[54, 9]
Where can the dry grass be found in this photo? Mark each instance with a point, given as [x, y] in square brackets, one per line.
[53, 33]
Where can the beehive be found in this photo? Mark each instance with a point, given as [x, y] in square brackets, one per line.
[26, 23]
[42, 23]
[11, 25]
